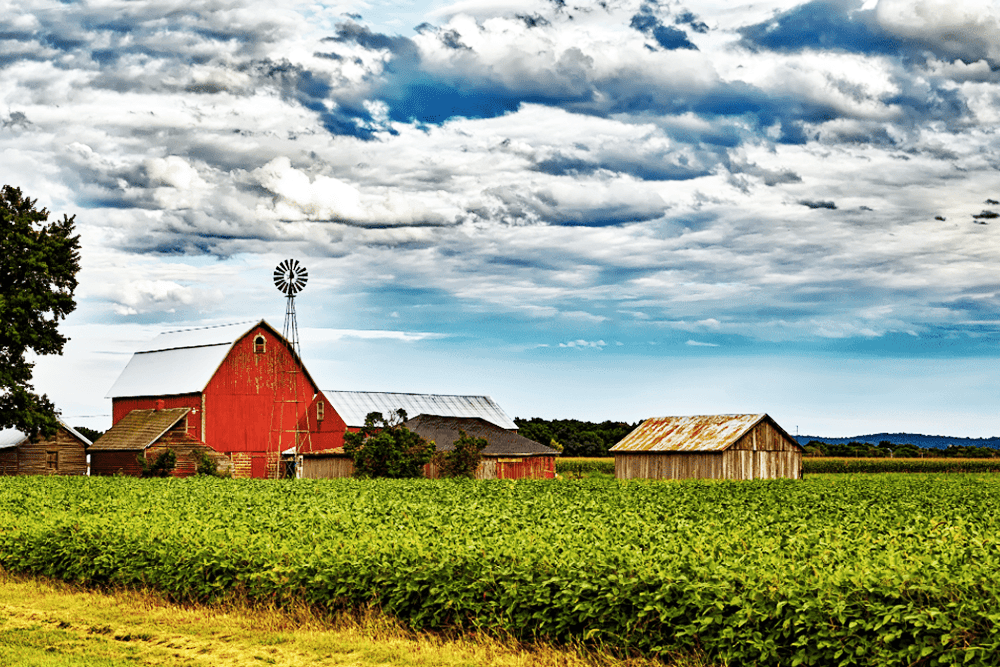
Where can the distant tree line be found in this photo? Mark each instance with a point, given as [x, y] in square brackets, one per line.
[573, 437]
[886, 449]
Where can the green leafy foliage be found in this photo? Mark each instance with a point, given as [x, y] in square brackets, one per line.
[874, 570]
[161, 466]
[882, 465]
[463, 460]
[38, 266]
[386, 448]
[207, 466]
[576, 438]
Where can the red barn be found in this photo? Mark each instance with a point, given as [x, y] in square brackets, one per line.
[248, 393]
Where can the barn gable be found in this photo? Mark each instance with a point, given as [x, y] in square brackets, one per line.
[354, 406]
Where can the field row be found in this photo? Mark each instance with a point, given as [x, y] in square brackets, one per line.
[819, 465]
[844, 570]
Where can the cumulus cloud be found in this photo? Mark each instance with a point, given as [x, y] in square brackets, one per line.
[629, 167]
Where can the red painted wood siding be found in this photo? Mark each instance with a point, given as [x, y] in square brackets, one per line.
[325, 434]
[241, 412]
[122, 406]
[111, 463]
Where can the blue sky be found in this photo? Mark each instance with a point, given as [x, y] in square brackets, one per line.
[592, 210]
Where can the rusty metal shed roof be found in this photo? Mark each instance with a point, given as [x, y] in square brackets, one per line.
[354, 406]
[444, 431]
[703, 433]
[139, 429]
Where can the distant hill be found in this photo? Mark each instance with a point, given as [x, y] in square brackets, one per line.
[923, 441]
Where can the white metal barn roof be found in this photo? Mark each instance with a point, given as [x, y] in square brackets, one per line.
[354, 406]
[11, 437]
[178, 362]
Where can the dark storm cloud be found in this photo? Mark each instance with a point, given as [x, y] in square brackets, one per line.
[822, 24]
[666, 36]
[815, 203]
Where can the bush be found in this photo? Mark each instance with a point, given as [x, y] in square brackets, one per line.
[162, 466]
[386, 448]
[464, 459]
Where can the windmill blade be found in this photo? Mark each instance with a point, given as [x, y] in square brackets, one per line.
[290, 277]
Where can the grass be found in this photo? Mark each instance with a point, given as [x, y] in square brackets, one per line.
[52, 624]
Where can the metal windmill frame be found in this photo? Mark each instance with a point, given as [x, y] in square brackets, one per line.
[290, 278]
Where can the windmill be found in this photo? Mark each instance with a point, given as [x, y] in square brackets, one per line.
[290, 278]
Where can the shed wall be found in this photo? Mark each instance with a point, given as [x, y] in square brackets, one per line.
[670, 465]
[113, 463]
[327, 467]
[33, 458]
[730, 464]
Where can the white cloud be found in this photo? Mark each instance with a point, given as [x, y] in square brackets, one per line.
[584, 344]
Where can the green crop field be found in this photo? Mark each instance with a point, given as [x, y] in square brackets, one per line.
[839, 570]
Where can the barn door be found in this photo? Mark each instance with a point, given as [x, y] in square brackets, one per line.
[258, 467]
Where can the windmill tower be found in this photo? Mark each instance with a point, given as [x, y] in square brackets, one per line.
[290, 278]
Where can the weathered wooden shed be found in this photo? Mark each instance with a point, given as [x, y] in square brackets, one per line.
[506, 456]
[708, 447]
[65, 453]
[149, 433]
[248, 393]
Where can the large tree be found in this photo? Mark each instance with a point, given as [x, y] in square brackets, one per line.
[39, 261]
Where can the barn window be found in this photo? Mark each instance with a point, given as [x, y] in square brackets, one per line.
[52, 461]
[259, 345]
[319, 411]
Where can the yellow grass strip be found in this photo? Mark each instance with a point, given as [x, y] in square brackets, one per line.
[51, 624]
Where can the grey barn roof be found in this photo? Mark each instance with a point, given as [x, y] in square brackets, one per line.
[354, 406]
[444, 431]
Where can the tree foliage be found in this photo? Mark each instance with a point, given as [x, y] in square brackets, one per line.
[39, 261]
[577, 438]
[463, 460]
[385, 448]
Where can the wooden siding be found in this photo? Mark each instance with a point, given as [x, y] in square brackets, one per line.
[8, 461]
[327, 433]
[764, 437]
[327, 467]
[115, 463]
[62, 454]
[122, 406]
[762, 453]
[731, 464]
[249, 402]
